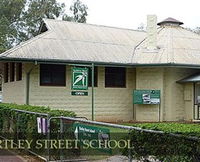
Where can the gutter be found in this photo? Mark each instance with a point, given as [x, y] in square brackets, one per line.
[98, 63]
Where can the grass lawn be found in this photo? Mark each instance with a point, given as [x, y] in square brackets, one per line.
[189, 129]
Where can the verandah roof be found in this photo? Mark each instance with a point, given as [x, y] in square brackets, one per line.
[191, 78]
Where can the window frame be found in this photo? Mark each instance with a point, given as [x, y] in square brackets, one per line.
[18, 71]
[53, 84]
[115, 86]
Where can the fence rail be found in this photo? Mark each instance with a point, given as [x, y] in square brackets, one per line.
[84, 120]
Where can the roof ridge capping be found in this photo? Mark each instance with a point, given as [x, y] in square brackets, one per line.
[97, 25]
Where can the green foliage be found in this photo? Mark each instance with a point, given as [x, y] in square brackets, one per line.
[187, 129]
[36, 11]
[9, 108]
[11, 9]
[79, 12]
[21, 20]
[24, 119]
[165, 147]
[19, 125]
[10, 13]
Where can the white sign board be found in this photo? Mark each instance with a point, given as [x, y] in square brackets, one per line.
[42, 125]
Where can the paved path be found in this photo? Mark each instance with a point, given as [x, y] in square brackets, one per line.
[116, 158]
[7, 156]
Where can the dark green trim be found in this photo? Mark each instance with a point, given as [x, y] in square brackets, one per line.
[28, 84]
[27, 87]
[92, 91]
[57, 61]
[193, 101]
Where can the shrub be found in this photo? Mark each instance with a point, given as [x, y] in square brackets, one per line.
[18, 125]
[41, 109]
[166, 146]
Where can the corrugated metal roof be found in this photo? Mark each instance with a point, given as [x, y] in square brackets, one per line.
[81, 42]
[68, 41]
[176, 45]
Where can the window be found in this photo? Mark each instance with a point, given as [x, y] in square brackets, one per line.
[19, 71]
[12, 72]
[115, 77]
[5, 72]
[95, 77]
[52, 75]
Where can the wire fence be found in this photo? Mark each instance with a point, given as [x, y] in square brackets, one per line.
[68, 139]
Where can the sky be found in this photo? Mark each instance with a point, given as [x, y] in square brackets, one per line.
[132, 13]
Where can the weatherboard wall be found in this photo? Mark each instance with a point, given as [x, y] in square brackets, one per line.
[149, 78]
[176, 99]
[14, 92]
[188, 101]
[111, 104]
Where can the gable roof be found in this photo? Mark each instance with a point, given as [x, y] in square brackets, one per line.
[74, 42]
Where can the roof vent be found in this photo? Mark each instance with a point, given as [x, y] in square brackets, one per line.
[170, 21]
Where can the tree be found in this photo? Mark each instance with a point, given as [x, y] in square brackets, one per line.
[10, 13]
[79, 12]
[37, 10]
[141, 27]
[197, 30]
[20, 20]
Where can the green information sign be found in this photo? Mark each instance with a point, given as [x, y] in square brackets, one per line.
[146, 96]
[91, 133]
[79, 78]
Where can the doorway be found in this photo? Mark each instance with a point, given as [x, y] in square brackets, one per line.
[196, 111]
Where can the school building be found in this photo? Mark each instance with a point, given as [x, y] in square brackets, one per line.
[164, 59]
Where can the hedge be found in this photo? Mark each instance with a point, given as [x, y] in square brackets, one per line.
[188, 129]
[18, 125]
[10, 119]
[165, 147]
[40, 109]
